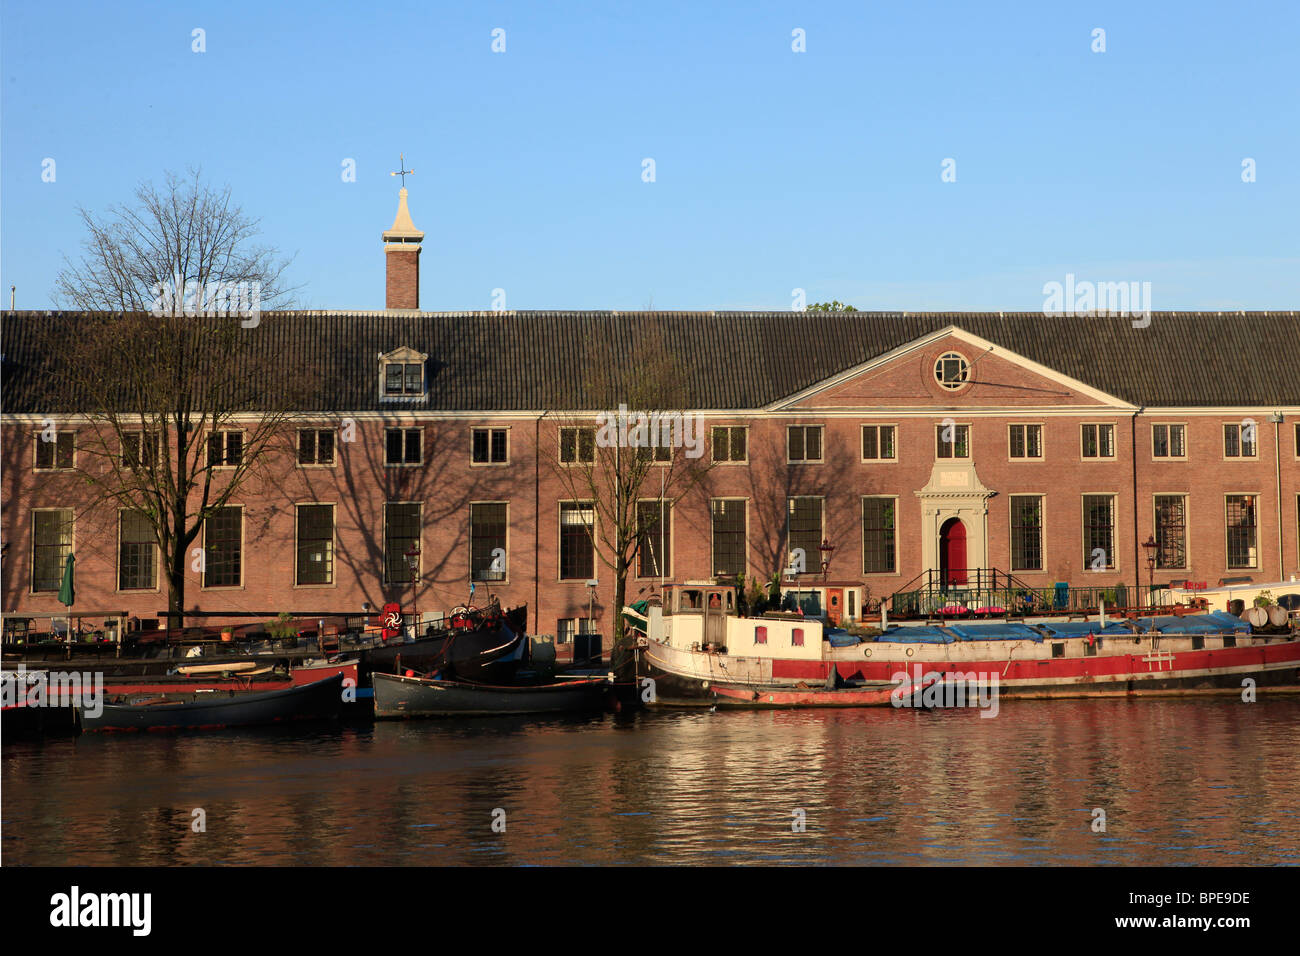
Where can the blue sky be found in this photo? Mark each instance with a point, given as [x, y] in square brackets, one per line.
[774, 170]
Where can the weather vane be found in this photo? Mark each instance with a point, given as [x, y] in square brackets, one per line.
[401, 161]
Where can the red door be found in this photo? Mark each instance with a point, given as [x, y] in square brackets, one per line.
[952, 552]
[835, 606]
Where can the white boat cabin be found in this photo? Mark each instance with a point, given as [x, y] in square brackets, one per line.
[704, 616]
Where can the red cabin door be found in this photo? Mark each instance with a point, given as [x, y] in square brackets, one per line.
[835, 606]
[952, 552]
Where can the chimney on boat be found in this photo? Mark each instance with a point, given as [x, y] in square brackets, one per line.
[402, 254]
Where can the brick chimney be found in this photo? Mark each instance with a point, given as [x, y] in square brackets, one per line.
[402, 252]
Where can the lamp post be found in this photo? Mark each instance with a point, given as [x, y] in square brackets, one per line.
[1149, 545]
[413, 562]
[827, 549]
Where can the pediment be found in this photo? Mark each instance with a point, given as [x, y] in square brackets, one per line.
[404, 354]
[906, 378]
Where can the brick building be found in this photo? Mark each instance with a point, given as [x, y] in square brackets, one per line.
[1045, 447]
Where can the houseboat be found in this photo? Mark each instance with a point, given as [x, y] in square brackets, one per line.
[693, 638]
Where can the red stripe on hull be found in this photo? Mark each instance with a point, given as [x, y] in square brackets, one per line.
[1063, 669]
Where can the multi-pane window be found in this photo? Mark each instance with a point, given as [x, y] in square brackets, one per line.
[137, 552]
[878, 442]
[1098, 532]
[487, 541]
[804, 532]
[489, 446]
[1026, 441]
[401, 534]
[1239, 441]
[952, 441]
[315, 446]
[1026, 533]
[654, 553]
[403, 446]
[1243, 530]
[657, 453]
[140, 450]
[315, 544]
[951, 370]
[223, 545]
[879, 552]
[1171, 531]
[577, 446]
[1168, 441]
[577, 545]
[1098, 441]
[729, 443]
[403, 379]
[225, 449]
[804, 442]
[728, 537]
[56, 454]
[567, 628]
[51, 545]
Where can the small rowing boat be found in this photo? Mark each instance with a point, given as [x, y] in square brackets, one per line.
[875, 695]
[401, 696]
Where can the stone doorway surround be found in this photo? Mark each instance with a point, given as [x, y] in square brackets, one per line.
[955, 491]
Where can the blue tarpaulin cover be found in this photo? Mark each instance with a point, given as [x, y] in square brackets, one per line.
[919, 634]
[1084, 628]
[841, 638]
[996, 631]
[1215, 622]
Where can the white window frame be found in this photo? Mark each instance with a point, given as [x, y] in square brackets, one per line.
[243, 551]
[334, 543]
[1114, 441]
[117, 564]
[1167, 425]
[730, 429]
[1026, 425]
[489, 463]
[36, 454]
[319, 464]
[403, 429]
[862, 442]
[821, 429]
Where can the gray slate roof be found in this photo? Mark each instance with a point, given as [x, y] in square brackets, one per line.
[502, 361]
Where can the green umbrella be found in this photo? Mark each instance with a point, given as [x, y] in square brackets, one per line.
[67, 594]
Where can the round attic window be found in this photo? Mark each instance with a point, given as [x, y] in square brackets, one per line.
[952, 370]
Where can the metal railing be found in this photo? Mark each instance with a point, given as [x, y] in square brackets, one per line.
[988, 592]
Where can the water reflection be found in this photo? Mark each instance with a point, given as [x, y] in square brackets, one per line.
[1181, 782]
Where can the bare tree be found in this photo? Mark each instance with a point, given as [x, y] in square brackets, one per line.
[181, 406]
[187, 235]
[642, 445]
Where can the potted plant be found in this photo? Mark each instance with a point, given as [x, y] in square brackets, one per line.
[283, 629]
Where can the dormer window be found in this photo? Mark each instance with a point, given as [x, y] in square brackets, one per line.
[401, 376]
[405, 379]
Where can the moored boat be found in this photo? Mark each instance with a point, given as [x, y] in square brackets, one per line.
[209, 710]
[479, 646]
[907, 693]
[696, 640]
[402, 696]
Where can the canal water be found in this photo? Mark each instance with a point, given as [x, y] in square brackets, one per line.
[1179, 781]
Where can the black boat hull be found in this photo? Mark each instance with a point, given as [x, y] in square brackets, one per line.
[322, 700]
[486, 655]
[398, 697]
